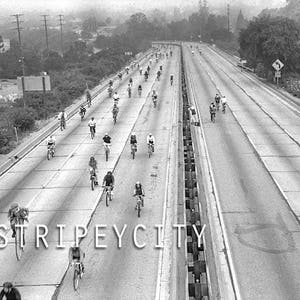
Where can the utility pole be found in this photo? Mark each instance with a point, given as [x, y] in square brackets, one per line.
[18, 22]
[61, 34]
[228, 16]
[46, 31]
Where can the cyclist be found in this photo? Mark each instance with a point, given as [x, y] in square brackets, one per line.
[129, 90]
[160, 68]
[141, 71]
[139, 191]
[127, 70]
[120, 76]
[62, 119]
[224, 102]
[76, 255]
[193, 52]
[14, 214]
[217, 100]
[110, 83]
[109, 181]
[106, 139]
[146, 75]
[82, 111]
[110, 90]
[171, 53]
[154, 96]
[115, 110]
[92, 125]
[51, 142]
[116, 98]
[148, 69]
[133, 140]
[130, 81]
[212, 110]
[171, 79]
[9, 292]
[140, 90]
[151, 140]
[167, 55]
[93, 168]
[88, 98]
[158, 75]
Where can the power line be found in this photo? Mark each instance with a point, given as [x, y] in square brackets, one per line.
[18, 22]
[46, 30]
[61, 34]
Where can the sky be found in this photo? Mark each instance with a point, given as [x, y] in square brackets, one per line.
[22, 5]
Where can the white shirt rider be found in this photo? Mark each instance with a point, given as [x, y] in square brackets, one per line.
[150, 139]
[116, 96]
[92, 123]
[51, 141]
[224, 100]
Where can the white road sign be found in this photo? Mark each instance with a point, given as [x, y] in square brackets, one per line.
[277, 74]
[277, 65]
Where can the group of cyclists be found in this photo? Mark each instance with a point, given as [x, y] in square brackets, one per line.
[215, 106]
[19, 214]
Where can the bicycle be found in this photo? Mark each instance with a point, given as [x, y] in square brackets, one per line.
[62, 124]
[133, 150]
[82, 115]
[107, 150]
[50, 152]
[213, 117]
[129, 93]
[115, 114]
[108, 195]
[223, 108]
[93, 179]
[150, 149]
[140, 93]
[218, 106]
[77, 274]
[18, 237]
[154, 99]
[93, 131]
[139, 204]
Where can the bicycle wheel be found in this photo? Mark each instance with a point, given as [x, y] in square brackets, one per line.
[115, 119]
[106, 154]
[92, 183]
[18, 244]
[107, 198]
[133, 153]
[76, 279]
[139, 209]
[48, 154]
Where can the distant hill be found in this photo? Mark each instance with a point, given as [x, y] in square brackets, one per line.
[291, 10]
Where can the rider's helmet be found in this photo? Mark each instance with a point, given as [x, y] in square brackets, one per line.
[106, 134]
[137, 183]
[109, 173]
[7, 285]
[150, 134]
[92, 118]
[133, 133]
[92, 158]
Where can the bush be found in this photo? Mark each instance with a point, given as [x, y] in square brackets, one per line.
[260, 70]
[24, 118]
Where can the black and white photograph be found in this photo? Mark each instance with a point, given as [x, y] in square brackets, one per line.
[149, 150]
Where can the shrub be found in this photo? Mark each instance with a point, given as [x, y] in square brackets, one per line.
[24, 118]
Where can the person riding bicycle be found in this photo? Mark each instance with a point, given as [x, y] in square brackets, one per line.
[129, 90]
[76, 255]
[130, 81]
[88, 97]
[127, 70]
[109, 181]
[140, 90]
[115, 110]
[120, 75]
[224, 102]
[148, 69]
[106, 139]
[151, 140]
[14, 214]
[133, 140]
[110, 90]
[9, 292]
[51, 142]
[93, 168]
[92, 125]
[62, 117]
[110, 83]
[212, 110]
[141, 70]
[154, 95]
[171, 79]
[82, 110]
[116, 97]
[146, 75]
[217, 99]
[158, 74]
[139, 191]
[160, 68]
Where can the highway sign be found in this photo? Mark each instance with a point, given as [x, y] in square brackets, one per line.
[277, 74]
[277, 65]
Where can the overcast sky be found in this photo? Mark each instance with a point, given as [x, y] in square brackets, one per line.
[21, 5]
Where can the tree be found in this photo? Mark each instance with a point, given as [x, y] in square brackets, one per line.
[268, 38]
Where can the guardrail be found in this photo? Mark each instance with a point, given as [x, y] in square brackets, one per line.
[54, 125]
